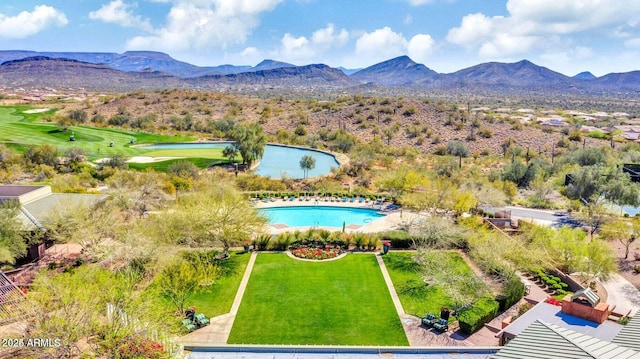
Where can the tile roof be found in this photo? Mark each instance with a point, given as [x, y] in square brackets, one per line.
[542, 340]
[629, 336]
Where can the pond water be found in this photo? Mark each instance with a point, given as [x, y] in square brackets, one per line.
[278, 161]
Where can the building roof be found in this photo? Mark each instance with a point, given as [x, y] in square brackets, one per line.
[38, 201]
[588, 294]
[551, 314]
[629, 336]
[542, 340]
[16, 191]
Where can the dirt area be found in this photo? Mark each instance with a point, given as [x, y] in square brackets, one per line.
[626, 266]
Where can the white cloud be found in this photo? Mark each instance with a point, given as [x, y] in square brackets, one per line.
[304, 49]
[120, 13]
[418, 2]
[530, 24]
[632, 43]
[30, 23]
[408, 20]
[474, 28]
[420, 47]
[382, 44]
[202, 24]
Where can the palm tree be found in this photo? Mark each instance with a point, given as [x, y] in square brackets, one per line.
[307, 163]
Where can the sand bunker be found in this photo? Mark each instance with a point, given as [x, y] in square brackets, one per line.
[147, 159]
[37, 110]
[140, 159]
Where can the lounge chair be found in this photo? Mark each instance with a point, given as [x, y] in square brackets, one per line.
[292, 198]
[201, 320]
[307, 198]
[265, 200]
[352, 199]
[284, 198]
[441, 325]
[429, 320]
[188, 325]
[344, 199]
[360, 199]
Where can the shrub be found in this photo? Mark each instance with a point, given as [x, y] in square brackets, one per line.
[483, 311]
[398, 239]
[512, 292]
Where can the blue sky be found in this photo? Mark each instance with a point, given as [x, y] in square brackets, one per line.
[568, 36]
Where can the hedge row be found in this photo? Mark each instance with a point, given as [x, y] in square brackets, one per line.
[482, 311]
[398, 239]
[512, 292]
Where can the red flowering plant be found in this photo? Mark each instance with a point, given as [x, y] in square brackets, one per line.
[316, 253]
[554, 301]
[138, 347]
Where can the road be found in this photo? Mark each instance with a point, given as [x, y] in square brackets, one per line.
[538, 216]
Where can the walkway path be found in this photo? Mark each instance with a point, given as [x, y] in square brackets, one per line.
[622, 294]
[218, 330]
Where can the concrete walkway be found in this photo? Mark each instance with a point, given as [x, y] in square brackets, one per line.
[392, 289]
[622, 294]
[218, 330]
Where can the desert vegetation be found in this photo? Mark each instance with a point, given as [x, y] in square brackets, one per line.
[156, 241]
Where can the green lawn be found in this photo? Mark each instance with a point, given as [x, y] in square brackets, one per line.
[416, 297]
[21, 129]
[343, 302]
[218, 298]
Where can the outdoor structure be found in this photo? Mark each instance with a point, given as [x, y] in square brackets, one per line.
[585, 304]
[553, 314]
[545, 340]
[13, 303]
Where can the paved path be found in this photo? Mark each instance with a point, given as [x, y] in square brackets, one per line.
[218, 330]
[622, 294]
[392, 289]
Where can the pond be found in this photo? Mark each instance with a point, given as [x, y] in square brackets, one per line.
[278, 161]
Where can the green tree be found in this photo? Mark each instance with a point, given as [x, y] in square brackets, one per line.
[307, 163]
[12, 243]
[230, 152]
[178, 282]
[78, 116]
[214, 216]
[626, 232]
[250, 141]
[184, 169]
[458, 149]
[41, 155]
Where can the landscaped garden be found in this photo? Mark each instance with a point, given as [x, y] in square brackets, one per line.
[342, 302]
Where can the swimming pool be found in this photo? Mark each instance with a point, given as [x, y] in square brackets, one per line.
[276, 162]
[320, 216]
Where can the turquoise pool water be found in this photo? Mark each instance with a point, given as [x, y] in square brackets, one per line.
[276, 162]
[314, 216]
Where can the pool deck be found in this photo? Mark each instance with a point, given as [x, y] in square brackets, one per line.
[392, 219]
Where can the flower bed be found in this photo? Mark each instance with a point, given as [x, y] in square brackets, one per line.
[316, 253]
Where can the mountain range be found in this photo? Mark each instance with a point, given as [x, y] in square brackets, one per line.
[134, 70]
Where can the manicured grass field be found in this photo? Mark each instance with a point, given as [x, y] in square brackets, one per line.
[343, 302]
[416, 297]
[19, 129]
[218, 298]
